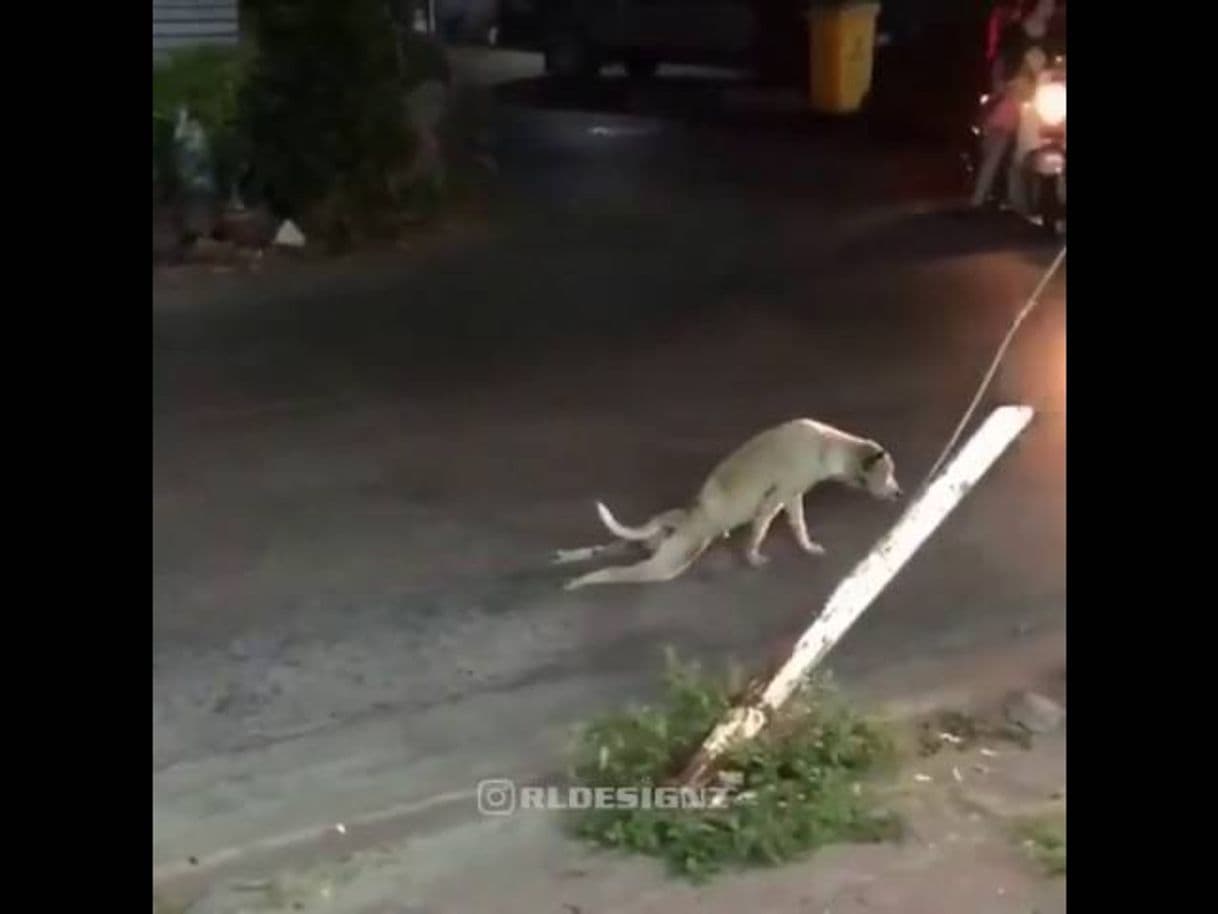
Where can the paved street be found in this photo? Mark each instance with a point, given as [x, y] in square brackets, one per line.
[358, 477]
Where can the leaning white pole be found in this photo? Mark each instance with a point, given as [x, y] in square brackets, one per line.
[860, 588]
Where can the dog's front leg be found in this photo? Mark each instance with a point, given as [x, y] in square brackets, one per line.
[795, 516]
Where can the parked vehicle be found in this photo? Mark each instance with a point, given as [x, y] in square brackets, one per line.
[467, 21]
[580, 37]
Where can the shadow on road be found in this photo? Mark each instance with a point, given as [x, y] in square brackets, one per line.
[722, 98]
[917, 95]
[951, 230]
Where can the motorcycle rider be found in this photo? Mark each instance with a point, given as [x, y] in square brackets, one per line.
[1018, 61]
[1000, 128]
[1004, 15]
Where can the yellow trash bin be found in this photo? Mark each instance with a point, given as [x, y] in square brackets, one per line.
[841, 43]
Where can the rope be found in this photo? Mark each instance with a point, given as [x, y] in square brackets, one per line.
[1029, 306]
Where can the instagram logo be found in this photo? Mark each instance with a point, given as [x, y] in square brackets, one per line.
[496, 797]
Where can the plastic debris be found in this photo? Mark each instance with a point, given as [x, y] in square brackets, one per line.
[289, 236]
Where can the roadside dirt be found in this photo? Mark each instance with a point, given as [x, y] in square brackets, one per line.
[970, 805]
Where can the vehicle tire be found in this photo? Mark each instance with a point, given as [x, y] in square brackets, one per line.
[1049, 207]
[570, 58]
[641, 67]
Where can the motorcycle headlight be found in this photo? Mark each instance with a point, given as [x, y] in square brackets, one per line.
[1050, 102]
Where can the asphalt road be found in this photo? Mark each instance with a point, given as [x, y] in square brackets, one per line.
[358, 478]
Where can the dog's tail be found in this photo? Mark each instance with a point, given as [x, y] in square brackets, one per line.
[647, 531]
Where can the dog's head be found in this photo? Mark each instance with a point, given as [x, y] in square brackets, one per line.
[877, 473]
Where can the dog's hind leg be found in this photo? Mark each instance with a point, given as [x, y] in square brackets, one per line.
[587, 553]
[671, 558]
[766, 512]
[664, 523]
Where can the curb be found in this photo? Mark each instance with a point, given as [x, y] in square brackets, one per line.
[1000, 811]
[974, 680]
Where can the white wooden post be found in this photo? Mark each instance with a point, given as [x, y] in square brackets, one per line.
[860, 588]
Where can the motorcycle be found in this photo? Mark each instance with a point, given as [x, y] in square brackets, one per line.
[1039, 152]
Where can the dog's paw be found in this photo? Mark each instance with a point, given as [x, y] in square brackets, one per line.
[565, 556]
[574, 584]
[815, 549]
[757, 560]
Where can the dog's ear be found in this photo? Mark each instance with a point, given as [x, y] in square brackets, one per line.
[875, 453]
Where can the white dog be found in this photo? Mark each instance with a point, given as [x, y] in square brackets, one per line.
[769, 473]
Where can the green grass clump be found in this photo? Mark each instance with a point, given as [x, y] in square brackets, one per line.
[801, 784]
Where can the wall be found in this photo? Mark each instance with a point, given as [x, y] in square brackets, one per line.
[181, 23]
